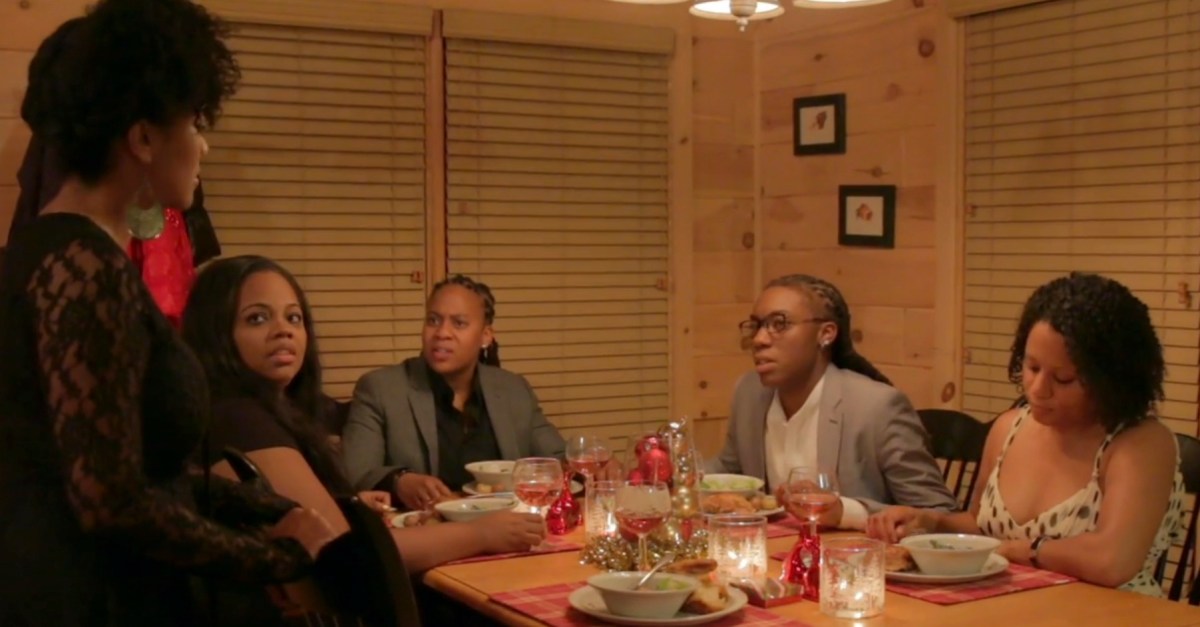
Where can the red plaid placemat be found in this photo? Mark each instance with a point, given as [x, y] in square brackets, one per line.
[551, 545]
[783, 528]
[1016, 579]
[549, 604]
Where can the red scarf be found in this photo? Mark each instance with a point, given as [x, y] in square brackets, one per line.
[166, 263]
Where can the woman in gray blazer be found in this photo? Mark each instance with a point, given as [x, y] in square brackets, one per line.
[814, 401]
[414, 426]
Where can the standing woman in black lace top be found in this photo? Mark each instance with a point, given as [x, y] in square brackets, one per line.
[101, 404]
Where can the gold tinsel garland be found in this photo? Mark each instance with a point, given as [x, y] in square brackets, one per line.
[615, 553]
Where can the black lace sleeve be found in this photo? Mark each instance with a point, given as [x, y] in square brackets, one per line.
[93, 347]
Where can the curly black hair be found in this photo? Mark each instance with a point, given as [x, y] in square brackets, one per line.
[829, 298]
[1110, 339]
[126, 61]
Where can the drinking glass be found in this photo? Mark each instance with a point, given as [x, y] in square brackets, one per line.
[538, 482]
[852, 577]
[738, 544]
[810, 493]
[600, 509]
[642, 506]
[587, 455]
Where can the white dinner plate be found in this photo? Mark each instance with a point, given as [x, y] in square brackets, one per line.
[766, 513]
[397, 521]
[473, 491]
[992, 567]
[587, 600]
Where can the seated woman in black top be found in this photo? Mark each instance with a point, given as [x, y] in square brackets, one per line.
[102, 518]
[250, 325]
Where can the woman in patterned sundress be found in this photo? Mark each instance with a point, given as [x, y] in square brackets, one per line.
[1082, 478]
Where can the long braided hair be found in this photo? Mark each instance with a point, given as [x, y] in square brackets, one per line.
[834, 308]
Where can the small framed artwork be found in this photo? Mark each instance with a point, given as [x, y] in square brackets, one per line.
[867, 215]
[819, 125]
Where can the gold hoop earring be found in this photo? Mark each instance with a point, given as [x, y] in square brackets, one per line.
[145, 222]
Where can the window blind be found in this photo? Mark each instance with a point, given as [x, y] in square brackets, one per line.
[964, 8]
[557, 198]
[1083, 153]
[319, 164]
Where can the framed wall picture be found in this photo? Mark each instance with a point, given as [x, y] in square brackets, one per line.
[819, 125]
[867, 215]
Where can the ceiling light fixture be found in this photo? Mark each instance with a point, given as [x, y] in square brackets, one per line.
[741, 11]
[835, 4]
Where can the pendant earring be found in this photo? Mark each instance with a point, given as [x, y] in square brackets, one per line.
[145, 221]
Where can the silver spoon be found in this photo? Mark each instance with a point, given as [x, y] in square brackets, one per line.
[663, 561]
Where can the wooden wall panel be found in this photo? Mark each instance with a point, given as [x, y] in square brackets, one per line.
[885, 60]
[725, 240]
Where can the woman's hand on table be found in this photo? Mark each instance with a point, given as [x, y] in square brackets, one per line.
[378, 500]
[417, 491]
[1016, 551]
[509, 532]
[893, 523]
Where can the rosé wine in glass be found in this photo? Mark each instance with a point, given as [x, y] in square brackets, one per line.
[537, 494]
[638, 524]
[809, 493]
[537, 482]
[641, 508]
[589, 465]
[812, 505]
[587, 455]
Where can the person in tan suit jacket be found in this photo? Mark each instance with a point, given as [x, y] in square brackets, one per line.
[814, 401]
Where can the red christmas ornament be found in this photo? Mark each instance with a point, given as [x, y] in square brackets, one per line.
[803, 564]
[656, 465]
[649, 443]
[564, 514]
[635, 476]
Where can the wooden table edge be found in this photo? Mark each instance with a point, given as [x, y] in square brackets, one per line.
[457, 590]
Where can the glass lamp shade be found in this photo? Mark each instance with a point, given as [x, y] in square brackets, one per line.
[835, 4]
[740, 11]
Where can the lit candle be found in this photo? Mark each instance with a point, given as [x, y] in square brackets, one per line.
[601, 507]
[738, 544]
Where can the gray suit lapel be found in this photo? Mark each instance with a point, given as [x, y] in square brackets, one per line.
[829, 425]
[420, 401]
[756, 465]
[497, 409]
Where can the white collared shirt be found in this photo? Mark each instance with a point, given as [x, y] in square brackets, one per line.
[792, 442]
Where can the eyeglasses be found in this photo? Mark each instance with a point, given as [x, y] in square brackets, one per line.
[776, 325]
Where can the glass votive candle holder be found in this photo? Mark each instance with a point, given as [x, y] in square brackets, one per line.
[852, 577]
[600, 509]
[738, 544]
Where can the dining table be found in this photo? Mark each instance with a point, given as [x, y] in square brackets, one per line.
[1076, 604]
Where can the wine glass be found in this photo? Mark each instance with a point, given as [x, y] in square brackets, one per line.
[807, 494]
[642, 506]
[588, 455]
[810, 493]
[537, 483]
